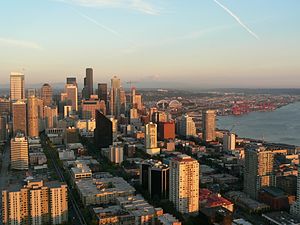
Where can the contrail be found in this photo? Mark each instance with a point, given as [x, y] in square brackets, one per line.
[97, 23]
[237, 19]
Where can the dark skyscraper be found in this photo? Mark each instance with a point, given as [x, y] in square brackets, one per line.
[102, 92]
[19, 117]
[154, 177]
[88, 89]
[103, 133]
[71, 80]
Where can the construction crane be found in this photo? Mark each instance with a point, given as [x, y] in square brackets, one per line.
[233, 126]
[130, 83]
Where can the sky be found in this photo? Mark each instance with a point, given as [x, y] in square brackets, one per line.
[170, 43]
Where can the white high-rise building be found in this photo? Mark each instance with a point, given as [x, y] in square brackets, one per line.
[184, 184]
[258, 170]
[186, 126]
[151, 139]
[295, 208]
[229, 142]
[35, 203]
[17, 86]
[19, 152]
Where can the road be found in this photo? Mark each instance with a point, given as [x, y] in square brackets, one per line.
[4, 176]
[4, 169]
[75, 210]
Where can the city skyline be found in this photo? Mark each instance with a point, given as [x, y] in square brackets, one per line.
[158, 43]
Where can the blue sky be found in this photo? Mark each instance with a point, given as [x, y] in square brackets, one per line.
[194, 43]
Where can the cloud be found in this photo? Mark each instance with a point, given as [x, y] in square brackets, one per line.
[19, 43]
[237, 19]
[88, 18]
[142, 6]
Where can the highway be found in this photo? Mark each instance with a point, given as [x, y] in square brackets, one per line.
[79, 218]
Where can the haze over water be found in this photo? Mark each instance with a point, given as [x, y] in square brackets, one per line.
[280, 126]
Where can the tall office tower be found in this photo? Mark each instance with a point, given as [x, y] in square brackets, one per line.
[209, 125]
[151, 139]
[88, 83]
[72, 80]
[166, 130]
[47, 94]
[186, 126]
[102, 92]
[32, 117]
[258, 171]
[4, 106]
[154, 177]
[132, 96]
[19, 152]
[19, 117]
[35, 203]
[229, 142]
[89, 107]
[122, 101]
[295, 207]
[71, 91]
[3, 128]
[40, 106]
[17, 86]
[138, 101]
[115, 101]
[51, 116]
[184, 184]
[103, 134]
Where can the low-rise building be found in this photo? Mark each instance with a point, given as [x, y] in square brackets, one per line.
[167, 219]
[103, 190]
[80, 171]
[66, 154]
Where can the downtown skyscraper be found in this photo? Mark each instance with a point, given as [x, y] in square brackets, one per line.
[19, 113]
[32, 116]
[88, 89]
[115, 97]
[47, 94]
[17, 86]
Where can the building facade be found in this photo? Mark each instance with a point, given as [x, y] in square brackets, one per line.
[19, 117]
[184, 184]
[258, 171]
[35, 203]
[19, 153]
[209, 125]
[17, 86]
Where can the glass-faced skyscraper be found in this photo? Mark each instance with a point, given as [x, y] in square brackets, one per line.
[104, 131]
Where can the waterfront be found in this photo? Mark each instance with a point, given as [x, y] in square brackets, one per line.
[279, 126]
